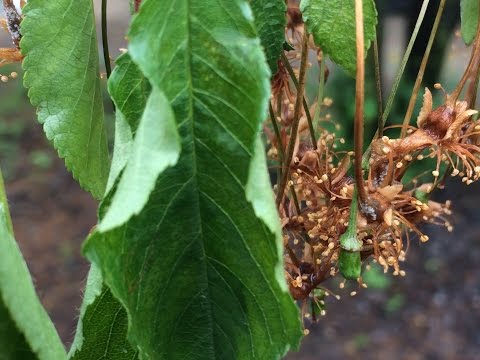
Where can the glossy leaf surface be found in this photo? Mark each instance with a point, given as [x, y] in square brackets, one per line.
[199, 269]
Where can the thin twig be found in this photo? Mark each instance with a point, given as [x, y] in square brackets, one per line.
[378, 86]
[280, 152]
[295, 199]
[296, 120]
[304, 101]
[398, 77]
[421, 71]
[406, 56]
[321, 84]
[359, 102]
[471, 69]
[106, 52]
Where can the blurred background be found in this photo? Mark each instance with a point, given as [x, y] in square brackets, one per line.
[432, 313]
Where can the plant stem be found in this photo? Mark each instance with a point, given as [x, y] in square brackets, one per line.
[406, 56]
[295, 199]
[106, 52]
[296, 120]
[421, 71]
[471, 92]
[359, 102]
[378, 86]
[305, 104]
[398, 77]
[321, 84]
[280, 153]
[471, 70]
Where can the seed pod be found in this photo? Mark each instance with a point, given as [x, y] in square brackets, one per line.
[350, 264]
[349, 261]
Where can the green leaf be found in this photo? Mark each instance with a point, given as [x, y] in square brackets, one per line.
[199, 268]
[332, 23]
[26, 331]
[270, 21]
[62, 74]
[129, 91]
[102, 328]
[155, 147]
[12, 342]
[469, 13]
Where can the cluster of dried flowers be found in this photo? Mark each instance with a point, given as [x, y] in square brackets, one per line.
[316, 190]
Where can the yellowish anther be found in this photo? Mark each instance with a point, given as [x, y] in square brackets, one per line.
[306, 332]
[13, 74]
[424, 238]
[385, 149]
[435, 173]
[327, 101]
[353, 293]
[4, 78]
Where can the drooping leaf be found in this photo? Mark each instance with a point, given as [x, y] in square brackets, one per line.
[199, 268]
[332, 23]
[155, 147]
[102, 327]
[270, 21]
[63, 78]
[469, 13]
[26, 331]
[129, 91]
